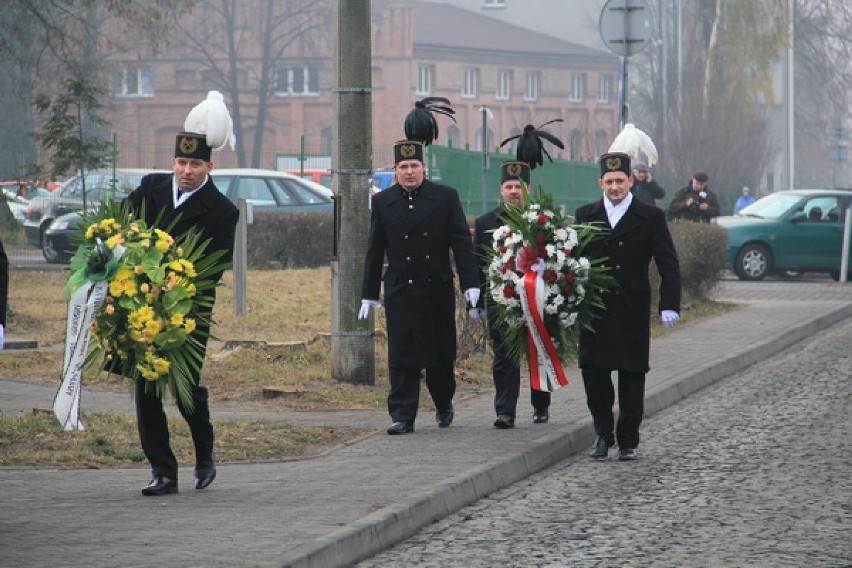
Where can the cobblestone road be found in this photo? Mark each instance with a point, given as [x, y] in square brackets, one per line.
[753, 471]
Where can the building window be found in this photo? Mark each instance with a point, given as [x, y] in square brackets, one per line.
[578, 87]
[531, 91]
[296, 80]
[601, 142]
[133, 81]
[605, 88]
[512, 146]
[425, 78]
[453, 137]
[480, 143]
[574, 144]
[504, 85]
[471, 79]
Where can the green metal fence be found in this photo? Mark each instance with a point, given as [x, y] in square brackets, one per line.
[571, 183]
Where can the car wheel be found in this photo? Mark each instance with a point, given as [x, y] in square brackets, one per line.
[50, 253]
[753, 262]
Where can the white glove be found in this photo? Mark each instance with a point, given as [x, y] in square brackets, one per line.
[2, 337]
[476, 314]
[364, 312]
[669, 317]
[472, 295]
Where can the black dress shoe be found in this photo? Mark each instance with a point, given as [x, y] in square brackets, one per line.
[205, 477]
[541, 416]
[444, 418]
[627, 454]
[400, 428]
[600, 449]
[160, 485]
[504, 421]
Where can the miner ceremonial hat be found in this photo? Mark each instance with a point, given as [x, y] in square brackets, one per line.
[615, 162]
[192, 145]
[515, 170]
[407, 150]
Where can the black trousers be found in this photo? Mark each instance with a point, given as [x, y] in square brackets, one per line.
[507, 381]
[404, 396]
[154, 430]
[600, 397]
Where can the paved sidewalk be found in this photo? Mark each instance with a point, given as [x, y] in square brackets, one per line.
[352, 502]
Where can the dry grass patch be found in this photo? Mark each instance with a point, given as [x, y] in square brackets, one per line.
[284, 306]
[112, 441]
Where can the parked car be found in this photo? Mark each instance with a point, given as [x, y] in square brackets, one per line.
[41, 211]
[19, 193]
[382, 179]
[270, 190]
[57, 245]
[266, 190]
[787, 232]
[322, 177]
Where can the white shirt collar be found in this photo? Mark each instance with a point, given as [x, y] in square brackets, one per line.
[615, 212]
[184, 195]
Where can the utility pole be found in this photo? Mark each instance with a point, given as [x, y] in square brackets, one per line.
[352, 343]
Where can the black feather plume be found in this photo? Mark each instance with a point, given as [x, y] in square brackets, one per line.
[530, 148]
[420, 124]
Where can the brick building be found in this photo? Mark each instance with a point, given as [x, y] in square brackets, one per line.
[419, 49]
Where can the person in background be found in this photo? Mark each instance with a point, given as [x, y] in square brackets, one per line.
[744, 200]
[696, 201]
[505, 370]
[416, 224]
[635, 233]
[645, 188]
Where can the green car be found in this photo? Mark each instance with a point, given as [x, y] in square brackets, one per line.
[788, 231]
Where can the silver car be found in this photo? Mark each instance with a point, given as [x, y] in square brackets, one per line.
[41, 211]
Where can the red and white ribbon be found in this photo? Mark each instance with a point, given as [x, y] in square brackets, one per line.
[546, 370]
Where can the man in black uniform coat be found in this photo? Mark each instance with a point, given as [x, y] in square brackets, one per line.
[189, 195]
[416, 223]
[505, 370]
[636, 233]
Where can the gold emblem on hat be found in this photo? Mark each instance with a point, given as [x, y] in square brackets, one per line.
[407, 151]
[613, 163]
[188, 145]
[513, 170]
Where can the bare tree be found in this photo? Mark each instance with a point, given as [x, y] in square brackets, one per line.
[245, 46]
[44, 43]
[728, 51]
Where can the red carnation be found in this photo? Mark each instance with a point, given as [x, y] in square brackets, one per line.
[550, 276]
[502, 249]
[569, 277]
[567, 288]
[543, 218]
[541, 238]
[526, 258]
[508, 291]
[542, 252]
[567, 251]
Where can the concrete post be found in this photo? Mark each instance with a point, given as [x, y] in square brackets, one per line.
[352, 341]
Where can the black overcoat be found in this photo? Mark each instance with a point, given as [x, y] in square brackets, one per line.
[621, 339]
[419, 298]
[207, 211]
[483, 240]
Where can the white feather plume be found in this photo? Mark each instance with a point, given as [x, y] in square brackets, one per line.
[211, 118]
[634, 143]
